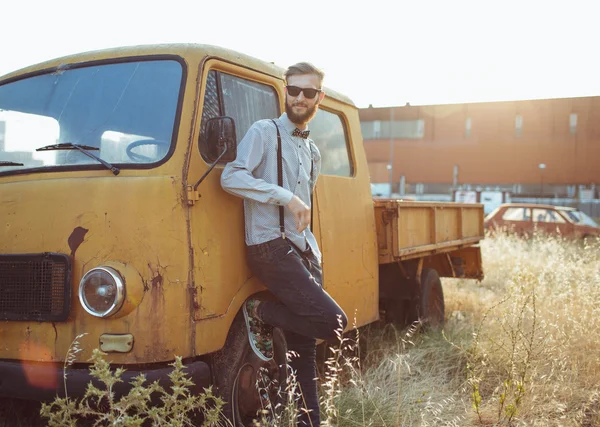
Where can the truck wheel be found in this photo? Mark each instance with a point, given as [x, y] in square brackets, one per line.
[247, 383]
[432, 299]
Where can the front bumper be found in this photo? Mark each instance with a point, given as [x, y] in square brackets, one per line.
[44, 381]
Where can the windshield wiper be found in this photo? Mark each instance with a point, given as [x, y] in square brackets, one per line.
[5, 163]
[84, 149]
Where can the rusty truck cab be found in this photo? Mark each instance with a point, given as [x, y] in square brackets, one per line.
[115, 230]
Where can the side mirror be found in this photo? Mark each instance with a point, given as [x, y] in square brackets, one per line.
[221, 140]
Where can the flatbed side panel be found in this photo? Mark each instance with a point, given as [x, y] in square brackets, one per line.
[472, 220]
[466, 262]
[411, 229]
[416, 227]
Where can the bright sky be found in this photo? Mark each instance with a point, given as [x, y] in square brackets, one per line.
[376, 52]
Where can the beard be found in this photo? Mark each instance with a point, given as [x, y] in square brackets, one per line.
[300, 118]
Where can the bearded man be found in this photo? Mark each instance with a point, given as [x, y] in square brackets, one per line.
[281, 248]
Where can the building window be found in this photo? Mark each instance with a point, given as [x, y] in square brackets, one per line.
[408, 129]
[376, 129]
[368, 130]
[467, 127]
[518, 125]
[400, 129]
[573, 123]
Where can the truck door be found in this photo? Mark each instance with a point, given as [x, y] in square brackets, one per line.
[217, 218]
[343, 213]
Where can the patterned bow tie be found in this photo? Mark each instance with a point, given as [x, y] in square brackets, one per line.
[301, 133]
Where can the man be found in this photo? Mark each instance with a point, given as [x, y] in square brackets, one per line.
[282, 251]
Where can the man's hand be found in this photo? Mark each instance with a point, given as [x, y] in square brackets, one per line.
[301, 213]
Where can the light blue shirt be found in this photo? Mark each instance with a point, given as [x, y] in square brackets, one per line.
[253, 176]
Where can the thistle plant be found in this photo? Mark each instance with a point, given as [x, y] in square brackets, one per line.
[178, 406]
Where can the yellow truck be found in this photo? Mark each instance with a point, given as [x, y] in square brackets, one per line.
[113, 222]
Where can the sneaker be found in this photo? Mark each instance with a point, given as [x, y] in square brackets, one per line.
[260, 334]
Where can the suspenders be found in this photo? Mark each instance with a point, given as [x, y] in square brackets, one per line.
[280, 181]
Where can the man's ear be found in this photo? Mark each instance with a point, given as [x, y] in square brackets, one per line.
[321, 96]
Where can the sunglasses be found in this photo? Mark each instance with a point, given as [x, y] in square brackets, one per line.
[309, 93]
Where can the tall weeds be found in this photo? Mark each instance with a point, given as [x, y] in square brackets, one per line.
[520, 348]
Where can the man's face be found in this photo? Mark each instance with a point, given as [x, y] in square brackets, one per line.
[300, 109]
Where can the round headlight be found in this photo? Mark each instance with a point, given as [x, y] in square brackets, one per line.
[102, 291]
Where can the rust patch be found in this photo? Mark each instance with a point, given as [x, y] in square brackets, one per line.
[76, 239]
[157, 303]
[195, 304]
[157, 281]
[144, 282]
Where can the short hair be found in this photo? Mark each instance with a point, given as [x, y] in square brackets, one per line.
[304, 68]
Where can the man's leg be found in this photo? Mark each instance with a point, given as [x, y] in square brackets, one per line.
[303, 307]
[303, 362]
[304, 311]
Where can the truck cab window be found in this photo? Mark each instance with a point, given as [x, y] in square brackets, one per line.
[90, 104]
[243, 100]
[329, 134]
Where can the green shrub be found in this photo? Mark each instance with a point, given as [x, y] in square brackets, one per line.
[177, 407]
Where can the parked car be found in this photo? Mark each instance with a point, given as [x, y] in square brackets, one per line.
[524, 218]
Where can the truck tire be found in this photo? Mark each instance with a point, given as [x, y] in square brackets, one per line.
[432, 310]
[237, 371]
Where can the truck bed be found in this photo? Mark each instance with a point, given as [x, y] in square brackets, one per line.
[409, 229]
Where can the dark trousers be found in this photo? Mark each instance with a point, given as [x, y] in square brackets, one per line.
[304, 311]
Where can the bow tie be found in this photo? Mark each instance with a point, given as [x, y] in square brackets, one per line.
[301, 133]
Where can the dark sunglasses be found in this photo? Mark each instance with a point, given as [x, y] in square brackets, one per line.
[308, 92]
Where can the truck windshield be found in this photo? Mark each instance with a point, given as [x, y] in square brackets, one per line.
[126, 110]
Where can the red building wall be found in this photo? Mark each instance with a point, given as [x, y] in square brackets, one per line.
[493, 153]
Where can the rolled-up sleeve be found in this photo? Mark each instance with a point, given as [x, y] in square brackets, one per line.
[238, 176]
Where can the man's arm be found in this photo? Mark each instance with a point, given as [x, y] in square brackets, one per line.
[238, 179]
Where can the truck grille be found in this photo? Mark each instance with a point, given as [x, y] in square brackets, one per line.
[35, 287]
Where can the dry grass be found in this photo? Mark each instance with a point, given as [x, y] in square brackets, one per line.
[545, 333]
[520, 348]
